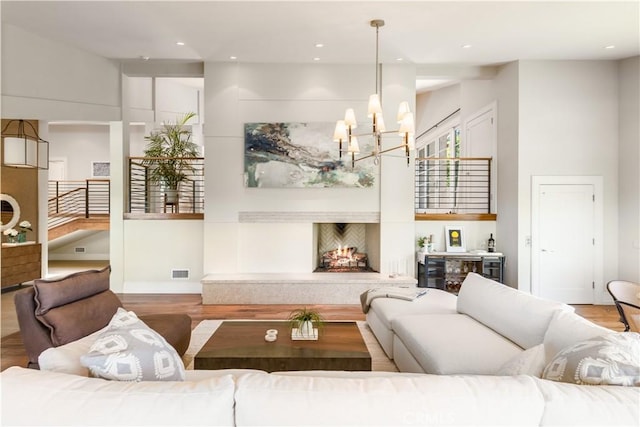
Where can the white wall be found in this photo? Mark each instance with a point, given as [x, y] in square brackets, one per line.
[628, 170]
[45, 80]
[568, 125]
[79, 145]
[94, 243]
[239, 93]
[506, 87]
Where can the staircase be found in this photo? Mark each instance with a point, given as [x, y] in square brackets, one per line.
[78, 205]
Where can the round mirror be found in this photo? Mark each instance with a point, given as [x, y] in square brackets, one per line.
[10, 211]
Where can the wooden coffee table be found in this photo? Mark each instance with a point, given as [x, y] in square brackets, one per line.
[241, 345]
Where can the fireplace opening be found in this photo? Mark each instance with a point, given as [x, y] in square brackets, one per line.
[342, 248]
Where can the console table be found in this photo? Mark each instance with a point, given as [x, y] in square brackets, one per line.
[447, 270]
[21, 262]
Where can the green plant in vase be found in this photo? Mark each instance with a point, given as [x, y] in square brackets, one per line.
[305, 324]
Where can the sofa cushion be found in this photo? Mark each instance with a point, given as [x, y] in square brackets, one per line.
[434, 301]
[128, 350]
[56, 292]
[384, 310]
[270, 400]
[519, 316]
[612, 359]
[84, 295]
[448, 344]
[529, 362]
[573, 405]
[66, 358]
[567, 329]
[38, 398]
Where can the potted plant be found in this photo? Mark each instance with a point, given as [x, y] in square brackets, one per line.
[168, 150]
[305, 324]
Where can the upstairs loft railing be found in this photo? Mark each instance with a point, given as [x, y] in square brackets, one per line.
[70, 200]
[147, 197]
[445, 186]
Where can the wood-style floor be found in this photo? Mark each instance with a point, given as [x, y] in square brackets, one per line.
[12, 350]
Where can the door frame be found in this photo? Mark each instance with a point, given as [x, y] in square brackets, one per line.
[598, 226]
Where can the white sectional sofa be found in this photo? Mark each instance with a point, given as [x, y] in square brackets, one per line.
[246, 398]
[491, 341]
[486, 326]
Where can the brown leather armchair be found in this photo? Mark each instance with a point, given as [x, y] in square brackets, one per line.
[55, 312]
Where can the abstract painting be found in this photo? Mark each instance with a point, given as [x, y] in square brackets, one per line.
[301, 155]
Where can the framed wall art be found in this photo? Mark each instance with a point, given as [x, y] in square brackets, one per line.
[454, 237]
[300, 155]
[100, 169]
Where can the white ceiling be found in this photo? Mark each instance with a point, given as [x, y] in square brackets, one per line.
[425, 33]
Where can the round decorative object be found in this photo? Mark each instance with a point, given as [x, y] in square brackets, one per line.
[11, 207]
[270, 338]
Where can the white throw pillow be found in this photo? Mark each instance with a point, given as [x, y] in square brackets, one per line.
[66, 358]
[529, 362]
[613, 359]
[566, 329]
[128, 350]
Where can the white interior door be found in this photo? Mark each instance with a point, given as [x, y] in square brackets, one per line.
[563, 242]
[480, 141]
[57, 170]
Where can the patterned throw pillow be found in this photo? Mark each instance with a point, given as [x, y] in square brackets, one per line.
[613, 359]
[128, 350]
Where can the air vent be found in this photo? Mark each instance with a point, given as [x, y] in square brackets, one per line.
[179, 274]
[79, 250]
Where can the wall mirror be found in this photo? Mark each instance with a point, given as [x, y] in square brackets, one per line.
[10, 211]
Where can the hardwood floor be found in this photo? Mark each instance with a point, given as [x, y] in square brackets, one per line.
[12, 350]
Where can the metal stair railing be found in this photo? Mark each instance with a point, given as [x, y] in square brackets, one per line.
[70, 200]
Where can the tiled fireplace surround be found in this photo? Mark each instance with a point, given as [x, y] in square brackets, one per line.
[306, 288]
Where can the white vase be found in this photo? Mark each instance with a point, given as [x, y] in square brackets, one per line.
[306, 331]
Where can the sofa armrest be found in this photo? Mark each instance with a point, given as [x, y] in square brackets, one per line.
[35, 336]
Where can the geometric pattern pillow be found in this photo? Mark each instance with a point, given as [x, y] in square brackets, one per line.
[128, 350]
[612, 359]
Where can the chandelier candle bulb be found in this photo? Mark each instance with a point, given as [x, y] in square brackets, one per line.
[374, 105]
[350, 118]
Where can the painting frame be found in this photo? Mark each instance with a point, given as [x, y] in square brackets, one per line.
[100, 169]
[455, 238]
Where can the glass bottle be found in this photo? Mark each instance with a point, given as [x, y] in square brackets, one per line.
[491, 244]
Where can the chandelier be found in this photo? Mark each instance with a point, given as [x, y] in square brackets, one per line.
[24, 148]
[344, 128]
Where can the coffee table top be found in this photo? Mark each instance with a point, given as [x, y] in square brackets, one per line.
[241, 344]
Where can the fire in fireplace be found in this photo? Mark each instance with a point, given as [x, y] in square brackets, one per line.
[346, 259]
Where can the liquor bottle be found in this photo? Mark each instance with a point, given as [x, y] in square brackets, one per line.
[491, 244]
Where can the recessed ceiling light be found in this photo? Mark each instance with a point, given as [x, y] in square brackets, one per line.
[180, 43]
[233, 57]
[319, 45]
[466, 46]
[610, 47]
[316, 59]
[399, 59]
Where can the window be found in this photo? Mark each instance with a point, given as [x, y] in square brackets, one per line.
[436, 179]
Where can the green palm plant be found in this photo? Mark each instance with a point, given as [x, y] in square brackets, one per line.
[168, 150]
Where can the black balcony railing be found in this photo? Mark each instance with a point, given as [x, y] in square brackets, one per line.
[146, 196]
[459, 185]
